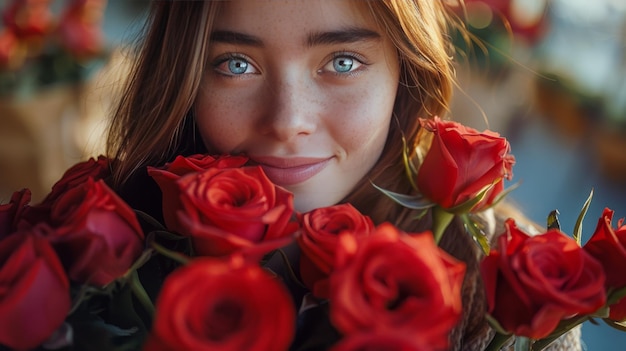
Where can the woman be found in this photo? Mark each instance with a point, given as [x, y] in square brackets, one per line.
[319, 93]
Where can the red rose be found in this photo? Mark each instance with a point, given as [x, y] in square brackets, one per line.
[80, 28]
[387, 341]
[608, 246]
[167, 176]
[394, 282]
[77, 175]
[11, 213]
[533, 282]
[462, 162]
[212, 304]
[96, 234]
[74, 177]
[34, 291]
[83, 40]
[319, 237]
[617, 311]
[197, 163]
[28, 18]
[12, 55]
[232, 209]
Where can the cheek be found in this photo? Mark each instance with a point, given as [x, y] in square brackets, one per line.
[221, 118]
[363, 122]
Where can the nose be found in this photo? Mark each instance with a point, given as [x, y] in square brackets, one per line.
[292, 108]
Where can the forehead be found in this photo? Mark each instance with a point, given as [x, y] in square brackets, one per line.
[289, 20]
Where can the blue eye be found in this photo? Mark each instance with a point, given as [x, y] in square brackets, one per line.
[234, 65]
[343, 64]
[237, 65]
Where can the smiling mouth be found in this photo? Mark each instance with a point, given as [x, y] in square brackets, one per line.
[290, 171]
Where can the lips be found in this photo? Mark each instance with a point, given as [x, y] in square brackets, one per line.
[290, 171]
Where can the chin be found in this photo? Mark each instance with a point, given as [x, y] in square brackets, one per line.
[317, 192]
[306, 202]
[305, 205]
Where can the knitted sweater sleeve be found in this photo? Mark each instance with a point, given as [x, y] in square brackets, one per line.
[570, 341]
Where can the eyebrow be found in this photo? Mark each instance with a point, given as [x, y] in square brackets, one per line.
[341, 36]
[230, 37]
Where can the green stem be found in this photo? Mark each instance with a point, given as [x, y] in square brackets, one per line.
[441, 220]
[498, 341]
[140, 292]
[290, 269]
[562, 329]
[149, 219]
[176, 256]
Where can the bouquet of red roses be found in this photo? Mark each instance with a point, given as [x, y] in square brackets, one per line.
[234, 267]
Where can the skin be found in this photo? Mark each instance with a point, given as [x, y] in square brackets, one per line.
[305, 88]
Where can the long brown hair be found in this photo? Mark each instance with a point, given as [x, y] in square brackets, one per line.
[419, 30]
[148, 125]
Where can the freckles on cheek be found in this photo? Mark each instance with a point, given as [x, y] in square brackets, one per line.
[365, 120]
[217, 121]
[361, 136]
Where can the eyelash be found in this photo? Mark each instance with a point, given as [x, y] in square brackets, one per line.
[342, 54]
[345, 54]
[227, 57]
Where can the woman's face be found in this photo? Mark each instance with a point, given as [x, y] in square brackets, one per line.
[304, 88]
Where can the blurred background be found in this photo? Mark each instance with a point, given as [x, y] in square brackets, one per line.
[61, 64]
[550, 75]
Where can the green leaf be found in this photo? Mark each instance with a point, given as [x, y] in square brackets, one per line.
[503, 194]
[291, 273]
[477, 233]
[495, 325]
[149, 220]
[97, 335]
[563, 327]
[467, 206]
[498, 341]
[141, 294]
[315, 331]
[552, 222]
[109, 323]
[579, 221]
[614, 296]
[82, 294]
[602, 312]
[420, 214]
[415, 202]
[411, 171]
